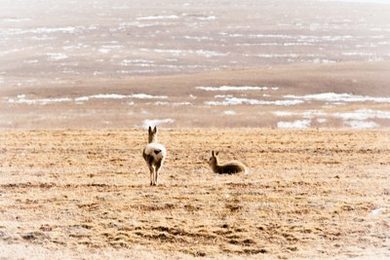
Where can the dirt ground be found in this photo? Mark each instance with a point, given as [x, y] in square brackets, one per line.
[86, 194]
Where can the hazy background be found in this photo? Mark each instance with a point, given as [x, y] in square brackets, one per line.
[58, 40]
[55, 52]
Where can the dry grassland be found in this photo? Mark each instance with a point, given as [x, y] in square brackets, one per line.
[86, 194]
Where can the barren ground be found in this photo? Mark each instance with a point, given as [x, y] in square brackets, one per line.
[86, 194]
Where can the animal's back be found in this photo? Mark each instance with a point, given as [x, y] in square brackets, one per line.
[232, 167]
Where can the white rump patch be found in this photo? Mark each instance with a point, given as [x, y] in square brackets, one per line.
[152, 147]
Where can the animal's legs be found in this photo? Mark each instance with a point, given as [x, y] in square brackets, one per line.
[151, 169]
[158, 166]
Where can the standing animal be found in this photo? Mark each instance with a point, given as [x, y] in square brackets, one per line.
[154, 155]
[231, 167]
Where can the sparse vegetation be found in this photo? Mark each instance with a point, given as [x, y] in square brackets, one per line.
[310, 193]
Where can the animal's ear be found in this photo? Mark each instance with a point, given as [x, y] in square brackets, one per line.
[216, 153]
[155, 129]
[212, 153]
[150, 129]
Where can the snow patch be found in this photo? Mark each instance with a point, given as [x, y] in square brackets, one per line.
[15, 20]
[377, 212]
[157, 17]
[146, 96]
[361, 124]
[56, 56]
[340, 97]
[155, 122]
[230, 112]
[233, 88]
[246, 101]
[176, 52]
[21, 99]
[283, 113]
[363, 114]
[101, 96]
[207, 18]
[137, 62]
[298, 124]
[305, 114]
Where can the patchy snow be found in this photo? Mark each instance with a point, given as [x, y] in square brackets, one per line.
[42, 30]
[377, 212]
[363, 114]
[207, 18]
[21, 99]
[57, 56]
[284, 113]
[185, 103]
[157, 17]
[146, 96]
[30, 61]
[197, 38]
[178, 52]
[246, 101]
[174, 104]
[355, 119]
[119, 96]
[305, 114]
[15, 20]
[101, 96]
[340, 97]
[298, 124]
[209, 54]
[161, 103]
[155, 122]
[230, 112]
[231, 88]
[361, 124]
[137, 62]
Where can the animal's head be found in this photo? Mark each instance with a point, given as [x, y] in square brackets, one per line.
[213, 159]
[152, 134]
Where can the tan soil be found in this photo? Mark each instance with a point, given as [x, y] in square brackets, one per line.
[86, 194]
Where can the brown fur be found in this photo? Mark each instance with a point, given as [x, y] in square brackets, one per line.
[231, 167]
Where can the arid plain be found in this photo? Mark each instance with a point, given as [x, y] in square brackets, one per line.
[297, 90]
[309, 193]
